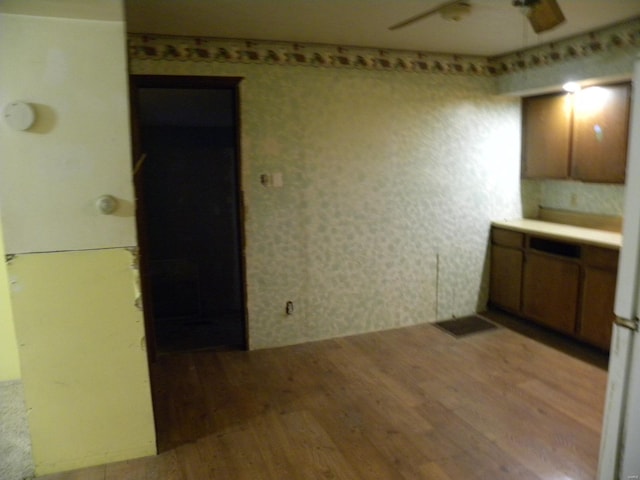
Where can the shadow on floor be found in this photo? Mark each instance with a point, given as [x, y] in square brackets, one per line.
[555, 340]
[192, 334]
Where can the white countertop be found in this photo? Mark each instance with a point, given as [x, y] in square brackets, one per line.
[589, 236]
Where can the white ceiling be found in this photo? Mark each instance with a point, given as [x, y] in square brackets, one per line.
[493, 27]
[110, 10]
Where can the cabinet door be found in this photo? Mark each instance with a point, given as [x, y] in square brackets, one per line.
[506, 277]
[546, 136]
[601, 126]
[596, 320]
[550, 291]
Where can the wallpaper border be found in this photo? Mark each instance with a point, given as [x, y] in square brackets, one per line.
[617, 37]
[220, 50]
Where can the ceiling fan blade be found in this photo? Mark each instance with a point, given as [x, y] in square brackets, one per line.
[422, 15]
[545, 15]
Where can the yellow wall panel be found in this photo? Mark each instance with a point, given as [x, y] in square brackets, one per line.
[84, 365]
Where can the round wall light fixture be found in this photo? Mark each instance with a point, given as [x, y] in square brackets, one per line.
[19, 115]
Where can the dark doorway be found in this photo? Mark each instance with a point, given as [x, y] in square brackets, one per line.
[189, 212]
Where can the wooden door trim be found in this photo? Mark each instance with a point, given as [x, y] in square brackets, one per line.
[190, 82]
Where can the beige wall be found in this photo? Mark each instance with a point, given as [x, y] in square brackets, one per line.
[390, 182]
[596, 198]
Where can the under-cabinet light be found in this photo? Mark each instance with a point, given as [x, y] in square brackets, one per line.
[571, 87]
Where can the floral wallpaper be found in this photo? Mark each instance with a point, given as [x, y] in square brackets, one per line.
[393, 165]
[390, 181]
[606, 55]
[596, 198]
[151, 47]
[622, 37]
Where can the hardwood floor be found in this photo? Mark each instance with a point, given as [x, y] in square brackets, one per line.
[411, 403]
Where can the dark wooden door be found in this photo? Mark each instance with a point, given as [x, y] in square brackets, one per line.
[189, 184]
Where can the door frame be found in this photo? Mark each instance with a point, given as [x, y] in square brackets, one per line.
[621, 424]
[137, 82]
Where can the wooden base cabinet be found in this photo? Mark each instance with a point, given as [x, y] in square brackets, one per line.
[550, 291]
[505, 284]
[564, 286]
[597, 298]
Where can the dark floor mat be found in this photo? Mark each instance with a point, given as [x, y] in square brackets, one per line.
[463, 326]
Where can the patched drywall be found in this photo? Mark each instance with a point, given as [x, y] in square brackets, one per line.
[83, 359]
[390, 180]
[79, 331]
[15, 442]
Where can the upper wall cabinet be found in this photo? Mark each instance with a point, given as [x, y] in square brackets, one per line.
[600, 134]
[582, 136]
[546, 136]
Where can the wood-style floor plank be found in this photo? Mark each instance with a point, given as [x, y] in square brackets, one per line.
[91, 473]
[410, 403]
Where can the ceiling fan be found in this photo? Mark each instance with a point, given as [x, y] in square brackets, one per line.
[543, 15]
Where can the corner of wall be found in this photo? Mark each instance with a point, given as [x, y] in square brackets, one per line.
[9, 357]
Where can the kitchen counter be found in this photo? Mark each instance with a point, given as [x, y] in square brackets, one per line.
[558, 231]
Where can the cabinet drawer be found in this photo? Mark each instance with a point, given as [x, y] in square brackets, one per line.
[507, 238]
[600, 257]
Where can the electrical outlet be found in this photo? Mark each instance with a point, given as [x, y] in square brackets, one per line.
[289, 308]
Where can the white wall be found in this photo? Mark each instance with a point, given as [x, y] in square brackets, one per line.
[73, 72]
